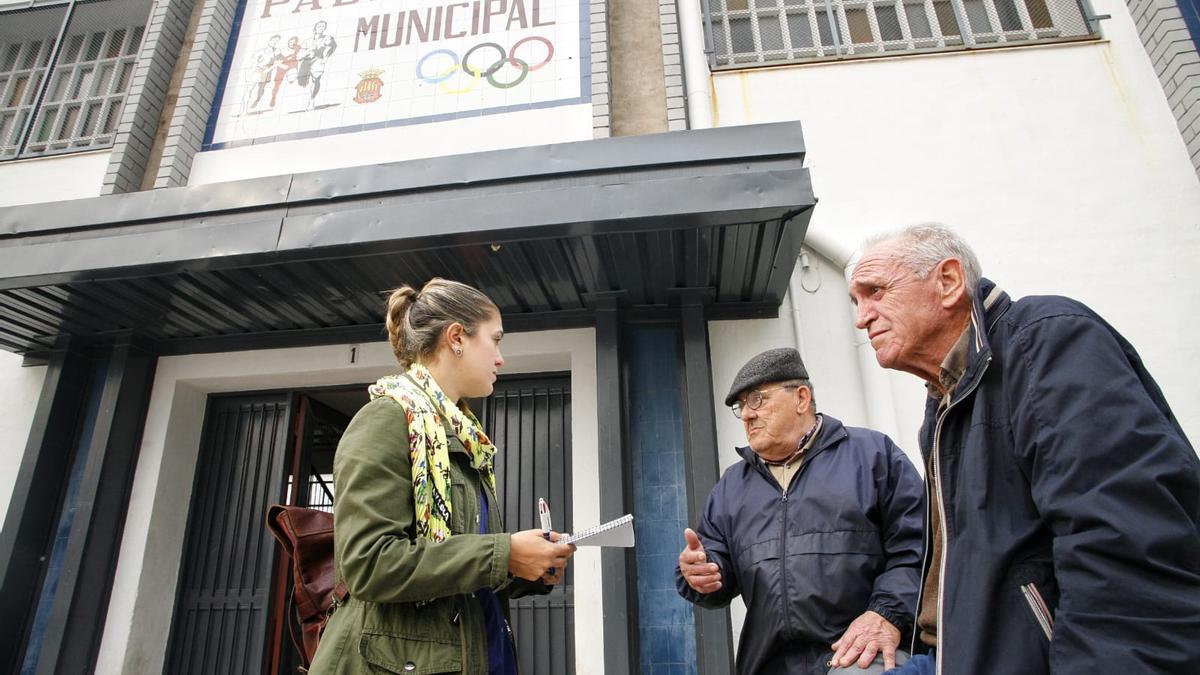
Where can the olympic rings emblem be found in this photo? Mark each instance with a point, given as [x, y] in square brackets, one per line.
[441, 77]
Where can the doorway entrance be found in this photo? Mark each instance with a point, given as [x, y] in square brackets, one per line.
[259, 449]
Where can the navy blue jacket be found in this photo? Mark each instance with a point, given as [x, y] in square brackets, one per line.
[845, 538]
[1070, 498]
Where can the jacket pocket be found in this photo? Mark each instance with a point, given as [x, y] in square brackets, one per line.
[409, 655]
[1041, 611]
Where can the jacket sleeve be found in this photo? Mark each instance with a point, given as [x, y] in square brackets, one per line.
[716, 547]
[379, 555]
[901, 504]
[520, 588]
[1118, 484]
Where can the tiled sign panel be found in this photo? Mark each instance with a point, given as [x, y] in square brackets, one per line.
[300, 68]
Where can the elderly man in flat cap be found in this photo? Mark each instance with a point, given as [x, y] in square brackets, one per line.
[818, 528]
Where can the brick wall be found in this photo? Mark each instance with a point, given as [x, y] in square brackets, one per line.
[148, 93]
[672, 65]
[1164, 30]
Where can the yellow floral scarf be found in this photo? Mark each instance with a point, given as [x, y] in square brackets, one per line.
[426, 405]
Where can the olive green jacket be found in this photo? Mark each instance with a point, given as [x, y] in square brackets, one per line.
[410, 608]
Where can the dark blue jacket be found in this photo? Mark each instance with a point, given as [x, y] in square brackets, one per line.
[1070, 498]
[844, 539]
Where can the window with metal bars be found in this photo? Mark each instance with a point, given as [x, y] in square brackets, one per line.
[748, 32]
[65, 70]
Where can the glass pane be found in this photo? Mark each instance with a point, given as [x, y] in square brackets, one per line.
[823, 28]
[134, 41]
[742, 35]
[83, 82]
[8, 128]
[860, 26]
[945, 17]
[89, 122]
[800, 31]
[719, 42]
[116, 39]
[733, 5]
[123, 81]
[889, 22]
[69, 119]
[9, 61]
[18, 92]
[58, 87]
[71, 51]
[46, 127]
[770, 32]
[1039, 14]
[94, 44]
[105, 79]
[918, 21]
[29, 58]
[27, 40]
[110, 119]
[977, 16]
[1009, 18]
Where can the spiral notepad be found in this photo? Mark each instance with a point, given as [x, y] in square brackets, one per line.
[617, 532]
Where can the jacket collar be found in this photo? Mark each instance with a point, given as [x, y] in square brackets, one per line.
[989, 304]
[832, 432]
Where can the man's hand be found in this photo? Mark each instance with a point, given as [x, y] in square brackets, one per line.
[869, 635]
[701, 575]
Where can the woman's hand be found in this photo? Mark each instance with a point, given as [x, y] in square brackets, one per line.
[532, 556]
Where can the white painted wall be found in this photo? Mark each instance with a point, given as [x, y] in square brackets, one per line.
[1062, 164]
[475, 134]
[51, 179]
[20, 388]
[143, 594]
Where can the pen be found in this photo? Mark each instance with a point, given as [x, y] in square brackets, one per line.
[544, 513]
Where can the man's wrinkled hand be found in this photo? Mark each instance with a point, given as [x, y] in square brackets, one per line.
[868, 636]
[701, 575]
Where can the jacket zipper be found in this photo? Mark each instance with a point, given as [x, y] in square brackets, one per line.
[783, 500]
[936, 469]
[1040, 611]
[462, 642]
[978, 325]
[941, 506]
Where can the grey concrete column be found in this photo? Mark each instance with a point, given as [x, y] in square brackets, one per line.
[639, 93]
[149, 104]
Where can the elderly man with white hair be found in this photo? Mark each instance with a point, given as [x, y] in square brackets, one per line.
[1063, 497]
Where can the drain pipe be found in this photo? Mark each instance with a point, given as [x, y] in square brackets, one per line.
[878, 397]
[697, 79]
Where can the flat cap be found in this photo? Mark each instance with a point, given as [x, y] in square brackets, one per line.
[773, 365]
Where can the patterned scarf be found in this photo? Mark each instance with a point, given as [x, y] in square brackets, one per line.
[425, 405]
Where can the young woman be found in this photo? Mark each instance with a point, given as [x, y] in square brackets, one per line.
[418, 538]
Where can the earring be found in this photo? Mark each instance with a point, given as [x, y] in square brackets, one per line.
[458, 351]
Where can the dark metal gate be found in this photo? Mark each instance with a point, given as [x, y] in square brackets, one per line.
[529, 419]
[222, 609]
[223, 613]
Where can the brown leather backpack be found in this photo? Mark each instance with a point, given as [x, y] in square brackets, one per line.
[307, 537]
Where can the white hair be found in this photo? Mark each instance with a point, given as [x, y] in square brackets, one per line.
[921, 247]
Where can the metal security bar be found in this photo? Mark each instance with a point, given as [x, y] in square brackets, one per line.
[89, 50]
[773, 31]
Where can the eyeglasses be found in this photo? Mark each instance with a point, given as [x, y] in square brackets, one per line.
[754, 399]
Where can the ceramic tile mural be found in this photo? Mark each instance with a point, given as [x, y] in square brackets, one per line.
[300, 68]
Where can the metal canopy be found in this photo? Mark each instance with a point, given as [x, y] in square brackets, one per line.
[307, 258]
